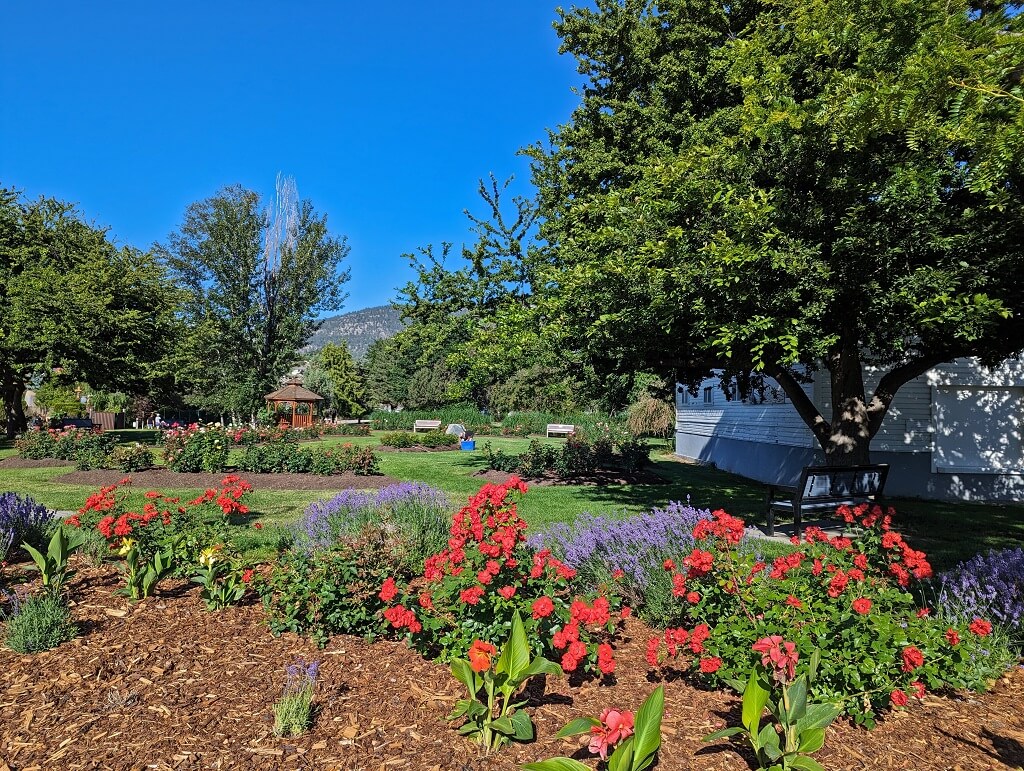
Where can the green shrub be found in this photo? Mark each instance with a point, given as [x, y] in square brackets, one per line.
[330, 592]
[197, 448]
[284, 457]
[398, 439]
[133, 457]
[634, 455]
[37, 444]
[465, 415]
[39, 624]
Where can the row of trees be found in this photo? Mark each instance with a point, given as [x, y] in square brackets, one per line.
[749, 191]
[213, 318]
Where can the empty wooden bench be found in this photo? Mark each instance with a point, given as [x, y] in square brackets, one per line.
[823, 489]
[560, 429]
[426, 425]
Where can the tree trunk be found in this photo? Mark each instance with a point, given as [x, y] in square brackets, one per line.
[14, 396]
[849, 438]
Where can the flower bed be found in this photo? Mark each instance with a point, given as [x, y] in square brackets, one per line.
[577, 456]
[404, 440]
[290, 458]
[89, 449]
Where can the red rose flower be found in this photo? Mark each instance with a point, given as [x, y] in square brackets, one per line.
[543, 607]
[862, 605]
[898, 698]
[710, 665]
[952, 636]
[912, 658]
[388, 590]
[981, 627]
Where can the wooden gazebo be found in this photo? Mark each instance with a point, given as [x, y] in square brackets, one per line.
[292, 398]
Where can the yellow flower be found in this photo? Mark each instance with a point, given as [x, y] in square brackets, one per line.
[209, 555]
[126, 546]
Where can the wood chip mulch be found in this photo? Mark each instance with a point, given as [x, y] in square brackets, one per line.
[164, 684]
[164, 479]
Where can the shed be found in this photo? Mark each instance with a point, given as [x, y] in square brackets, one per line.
[300, 403]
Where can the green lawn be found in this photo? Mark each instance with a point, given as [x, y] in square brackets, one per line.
[948, 532]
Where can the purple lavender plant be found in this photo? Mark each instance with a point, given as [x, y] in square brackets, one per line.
[415, 513]
[987, 585]
[302, 676]
[22, 520]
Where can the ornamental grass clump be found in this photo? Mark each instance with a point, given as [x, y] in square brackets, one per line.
[988, 585]
[473, 588]
[38, 623]
[852, 599]
[22, 520]
[293, 712]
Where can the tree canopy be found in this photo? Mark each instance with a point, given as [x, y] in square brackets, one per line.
[257, 281]
[75, 307]
[762, 189]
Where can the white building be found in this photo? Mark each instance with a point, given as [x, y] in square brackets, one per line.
[953, 433]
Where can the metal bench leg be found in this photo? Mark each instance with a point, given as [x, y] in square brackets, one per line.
[771, 522]
[796, 520]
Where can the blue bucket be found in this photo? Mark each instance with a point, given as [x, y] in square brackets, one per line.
[468, 444]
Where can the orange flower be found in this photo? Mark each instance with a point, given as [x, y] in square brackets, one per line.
[480, 655]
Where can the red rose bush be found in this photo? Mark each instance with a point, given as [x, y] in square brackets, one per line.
[472, 589]
[853, 598]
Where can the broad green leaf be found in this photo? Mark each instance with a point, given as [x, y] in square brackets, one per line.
[812, 669]
[755, 697]
[811, 740]
[723, 733]
[647, 725]
[515, 656]
[580, 725]
[556, 764]
[503, 725]
[465, 675]
[622, 758]
[768, 741]
[523, 726]
[805, 763]
[36, 556]
[819, 716]
[542, 666]
[797, 699]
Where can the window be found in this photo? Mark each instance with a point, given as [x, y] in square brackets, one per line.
[707, 395]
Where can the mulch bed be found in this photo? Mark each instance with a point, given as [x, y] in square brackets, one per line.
[597, 478]
[16, 461]
[164, 684]
[162, 478]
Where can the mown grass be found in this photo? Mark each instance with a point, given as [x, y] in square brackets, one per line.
[947, 531]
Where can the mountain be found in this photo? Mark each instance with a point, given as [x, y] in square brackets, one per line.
[357, 328]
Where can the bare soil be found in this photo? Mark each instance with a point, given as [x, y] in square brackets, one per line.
[164, 684]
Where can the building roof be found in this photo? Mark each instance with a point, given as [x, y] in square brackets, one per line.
[293, 392]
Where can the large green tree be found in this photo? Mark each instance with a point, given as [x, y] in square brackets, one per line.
[76, 308]
[765, 189]
[333, 374]
[257, 282]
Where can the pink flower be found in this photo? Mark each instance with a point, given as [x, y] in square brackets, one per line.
[779, 656]
[615, 727]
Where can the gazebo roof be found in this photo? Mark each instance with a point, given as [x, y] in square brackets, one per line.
[293, 392]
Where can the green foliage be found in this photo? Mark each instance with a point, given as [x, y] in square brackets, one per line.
[287, 457]
[256, 281]
[650, 416]
[329, 592]
[40, 623]
[406, 439]
[463, 414]
[133, 457]
[332, 373]
[492, 715]
[574, 457]
[799, 727]
[222, 579]
[75, 307]
[53, 564]
[197, 448]
[756, 191]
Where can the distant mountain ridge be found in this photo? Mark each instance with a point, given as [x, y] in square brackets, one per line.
[357, 328]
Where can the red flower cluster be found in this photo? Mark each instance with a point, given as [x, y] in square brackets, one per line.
[912, 658]
[779, 656]
[402, 618]
[980, 627]
[229, 497]
[722, 525]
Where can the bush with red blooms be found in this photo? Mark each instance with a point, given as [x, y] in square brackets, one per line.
[850, 597]
[164, 535]
[472, 589]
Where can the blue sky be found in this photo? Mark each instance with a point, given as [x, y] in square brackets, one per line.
[386, 114]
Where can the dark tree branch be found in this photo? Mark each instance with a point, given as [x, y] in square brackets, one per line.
[803, 404]
[892, 381]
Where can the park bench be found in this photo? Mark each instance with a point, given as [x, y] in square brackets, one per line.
[426, 425]
[560, 429]
[77, 423]
[823, 489]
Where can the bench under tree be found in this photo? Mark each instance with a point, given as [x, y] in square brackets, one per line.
[823, 489]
